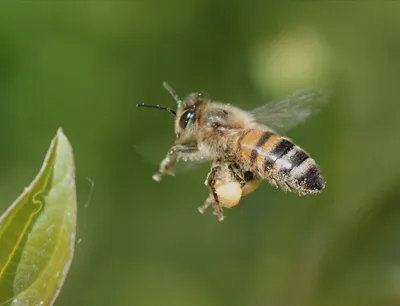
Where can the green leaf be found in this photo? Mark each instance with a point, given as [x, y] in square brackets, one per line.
[37, 232]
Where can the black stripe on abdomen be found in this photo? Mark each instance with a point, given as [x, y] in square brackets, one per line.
[298, 158]
[257, 149]
[312, 179]
[280, 149]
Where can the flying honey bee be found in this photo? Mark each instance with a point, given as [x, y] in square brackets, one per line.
[243, 146]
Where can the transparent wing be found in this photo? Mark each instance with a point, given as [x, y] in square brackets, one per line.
[149, 151]
[284, 114]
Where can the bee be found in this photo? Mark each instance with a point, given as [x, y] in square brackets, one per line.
[243, 146]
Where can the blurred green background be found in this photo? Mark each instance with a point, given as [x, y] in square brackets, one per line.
[83, 65]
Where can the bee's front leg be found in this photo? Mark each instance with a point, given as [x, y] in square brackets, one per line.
[170, 160]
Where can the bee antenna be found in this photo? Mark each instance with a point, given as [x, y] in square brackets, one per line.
[172, 93]
[157, 106]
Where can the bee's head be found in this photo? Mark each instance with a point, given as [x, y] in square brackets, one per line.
[187, 111]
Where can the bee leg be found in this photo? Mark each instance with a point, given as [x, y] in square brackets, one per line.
[213, 197]
[218, 211]
[169, 161]
[241, 179]
[210, 200]
[217, 208]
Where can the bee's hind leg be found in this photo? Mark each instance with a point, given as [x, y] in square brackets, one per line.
[170, 160]
[216, 206]
[218, 211]
[210, 200]
[213, 197]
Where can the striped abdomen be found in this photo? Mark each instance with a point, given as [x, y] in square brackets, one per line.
[280, 161]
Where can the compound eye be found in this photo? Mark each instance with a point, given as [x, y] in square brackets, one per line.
[186, 117]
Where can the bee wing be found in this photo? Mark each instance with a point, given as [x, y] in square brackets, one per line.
[284, 114]
[183, 166]
[148, 151]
